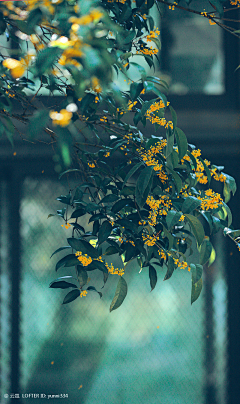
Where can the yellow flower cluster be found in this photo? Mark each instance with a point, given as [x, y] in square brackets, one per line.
[128, 137]
[83, 293]
[121, 239]
[149, 240]
[131, 105]
[84, 259]
[153, 118]
[235, 3]
[211, 200]
[103, 119]
[199, 171]
[218, 177]
[93, 17]
[148, 51]
[211, 22]
[158, 207]
[153, 34]
[62, 118]
[114, 271]
[149, 159]
[91, 165]
[96, 86]
[66, 225]
[162, 254]
[18, 67]
[181, 264]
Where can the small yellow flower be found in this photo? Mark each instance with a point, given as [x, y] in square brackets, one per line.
[17, 67]
[84, 259]
[66, 225]
[62, 118]
[83, 293]
[91, 165]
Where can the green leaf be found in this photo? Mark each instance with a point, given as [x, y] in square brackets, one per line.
[152, 277]
[46, 59]
[120, 294]
[126, 191]
[71, 296]
[143, 184]
[111, 250]
[78, 213]
[94, 290]
[104, 232]
[170, 142]
[205, 252]
[119, 205]
[99, 265]
[181, 142]
[190, 204]
[196, 271]
[109, 198]
[170, 268]
[212, 257]
[23, 27]
[177, 179]
[219, 7]
[66, 199]
[34, 18]
[60, 249]
[130, 252]
[174, 117]
[83, 246]
[70, 171]
[62, 285]
[196, 227]
[131, 172]
[82, 276]
[172, 218]
[67, 261]
[96, 227]
[196, 290]
[135, 90]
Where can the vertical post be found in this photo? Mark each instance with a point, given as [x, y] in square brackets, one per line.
[210, 380]
[232, 265]
[233, 277]
[14, 189]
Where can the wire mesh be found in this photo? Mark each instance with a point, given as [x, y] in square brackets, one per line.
[149, 350]
[4, 293]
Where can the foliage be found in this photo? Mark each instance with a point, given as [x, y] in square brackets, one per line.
[146, 196]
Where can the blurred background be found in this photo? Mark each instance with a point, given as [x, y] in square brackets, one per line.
[156, 348]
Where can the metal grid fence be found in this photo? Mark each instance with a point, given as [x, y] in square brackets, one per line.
[152, 349]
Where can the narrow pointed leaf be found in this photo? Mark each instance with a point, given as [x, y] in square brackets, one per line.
[94, 290]
[205, 252]
[62, 285]
[197, 228]
[71, 296]
[104, 232]
[190, 204]
[67, 261]
[120, 294]
[170, 268]
[83, 246]
[196, 290]
[60, 249]
[152, 276]
[181, 142]
[82, 276]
